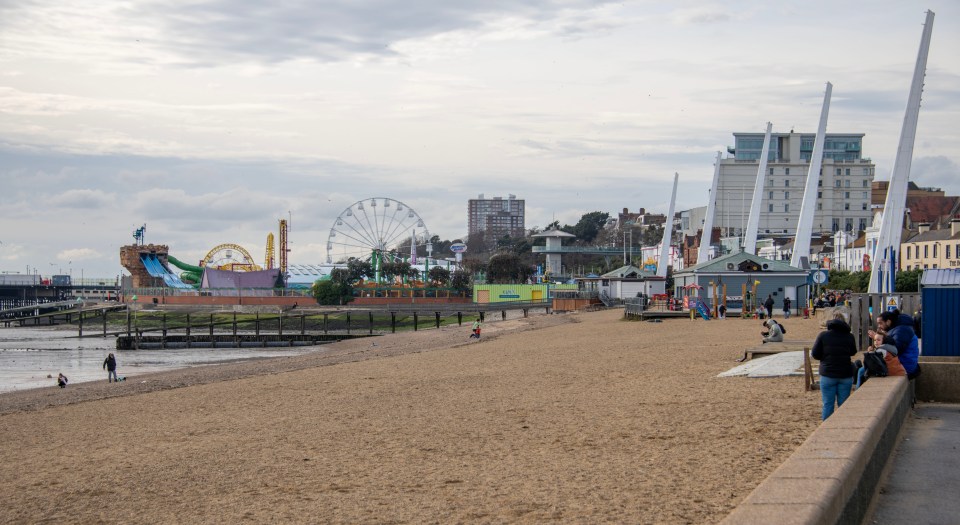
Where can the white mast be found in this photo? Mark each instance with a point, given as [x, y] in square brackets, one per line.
[753, 222]
[888, 244]
[801, 243]
[706, 235]
[667, 232]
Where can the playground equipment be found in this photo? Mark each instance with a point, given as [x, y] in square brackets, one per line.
[231, 257]
[371, 227]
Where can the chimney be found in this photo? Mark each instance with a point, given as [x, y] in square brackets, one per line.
[625, 211]
[954, 226]
[923, 227]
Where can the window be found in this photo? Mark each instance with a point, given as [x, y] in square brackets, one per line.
[838, 172]
[819, 206]
[819, 183]
[926, 251]
[863, 206]
[786, 195]
[849, 225]
[819, 194]
[866, 183]
[836, 224]
[935, 246]
[908, 253]
[771, 171]
[846, 206]
[863, 225]
[946, 251]
[771, 183]
[836, 183]
[866, 171]
[846, 183]
[847, 172]
[786, 208]
[865, 196]
[846, 195]
[770, 195]
[770, 208]
[786, 171]
[787, 182]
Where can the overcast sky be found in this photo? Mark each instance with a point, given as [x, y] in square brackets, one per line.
[210, 120]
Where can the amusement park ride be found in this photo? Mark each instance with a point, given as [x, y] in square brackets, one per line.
[369, 230]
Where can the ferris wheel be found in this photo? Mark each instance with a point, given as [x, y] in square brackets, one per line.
[377, 224]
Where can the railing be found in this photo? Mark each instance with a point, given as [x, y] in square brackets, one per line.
[219, 292]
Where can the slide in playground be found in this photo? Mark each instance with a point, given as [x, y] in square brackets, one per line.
[157, 269]
[702, 310]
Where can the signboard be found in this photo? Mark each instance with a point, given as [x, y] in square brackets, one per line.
[891, 303]
[458, 247]
[819, 276]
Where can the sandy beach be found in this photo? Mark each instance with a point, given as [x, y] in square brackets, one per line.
[572, 418]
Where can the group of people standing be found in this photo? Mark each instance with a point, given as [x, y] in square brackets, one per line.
[895, 338]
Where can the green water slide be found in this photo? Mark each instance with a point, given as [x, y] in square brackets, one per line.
[191, 274]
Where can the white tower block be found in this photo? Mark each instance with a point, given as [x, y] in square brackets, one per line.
[667, 232]
[707, 233]
[884, 265]
[753, 221]
[801, 243]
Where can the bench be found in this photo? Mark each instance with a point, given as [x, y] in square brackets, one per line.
[774, 348]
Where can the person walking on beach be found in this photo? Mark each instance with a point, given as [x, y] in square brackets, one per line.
[786, 307]
[833, 348]
[768, 304]
[62, 380]
[110, 364]
[476, 329]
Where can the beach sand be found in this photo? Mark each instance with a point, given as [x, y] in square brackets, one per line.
[557, 418]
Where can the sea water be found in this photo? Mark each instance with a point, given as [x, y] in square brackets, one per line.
[32, 357]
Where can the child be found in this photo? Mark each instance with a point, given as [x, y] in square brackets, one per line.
[476, 329]
[62, 381]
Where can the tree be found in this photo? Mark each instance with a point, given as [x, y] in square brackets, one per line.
[461, 281]
[908, 280]
[357, 270]
[590, 225]
[507, 268]
[439, 276]
[334, 291]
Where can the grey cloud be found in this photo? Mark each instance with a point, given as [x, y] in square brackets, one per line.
[939, 172]
[83, 199]
[221, 30]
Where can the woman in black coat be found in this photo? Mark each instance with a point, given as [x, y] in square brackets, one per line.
[833, 348]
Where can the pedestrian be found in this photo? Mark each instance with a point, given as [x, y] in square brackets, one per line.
[786, 307]
[768, 304]
[110, 364]
[833, 348]
[774, 333]
[62, 381]
[476, 329]
[722, 310]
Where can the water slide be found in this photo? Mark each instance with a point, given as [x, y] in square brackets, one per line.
[191, 274]
[157, 269]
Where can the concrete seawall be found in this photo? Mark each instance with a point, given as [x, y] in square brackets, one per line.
[833, 476]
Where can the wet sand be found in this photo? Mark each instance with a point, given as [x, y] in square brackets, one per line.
[562, 418]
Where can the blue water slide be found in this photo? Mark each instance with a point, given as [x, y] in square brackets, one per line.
[157, 269]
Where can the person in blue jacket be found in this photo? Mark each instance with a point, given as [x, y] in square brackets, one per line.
[899, 326]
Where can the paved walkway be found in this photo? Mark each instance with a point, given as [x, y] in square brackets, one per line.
[925, 474]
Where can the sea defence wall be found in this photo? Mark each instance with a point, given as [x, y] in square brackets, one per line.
[833, 476]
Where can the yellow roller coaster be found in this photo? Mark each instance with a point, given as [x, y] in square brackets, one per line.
[231, 257]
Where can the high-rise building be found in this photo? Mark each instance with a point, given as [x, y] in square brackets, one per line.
[496, 216]
[843, 192]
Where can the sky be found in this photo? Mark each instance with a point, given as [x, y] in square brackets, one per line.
[210, 120]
